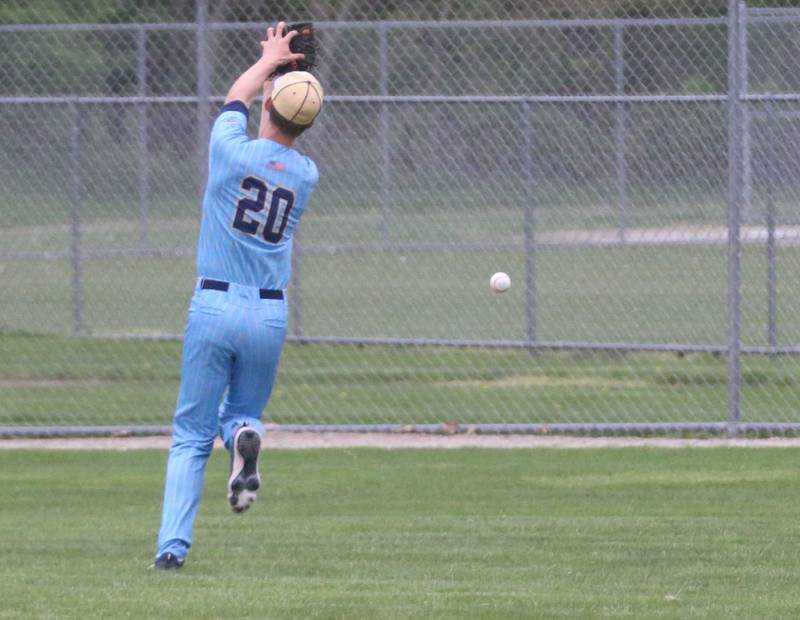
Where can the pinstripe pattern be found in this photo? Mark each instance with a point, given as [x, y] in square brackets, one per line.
[233, 339]
[225, 253]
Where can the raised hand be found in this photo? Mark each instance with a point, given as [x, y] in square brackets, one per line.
[275, 52]
[276, 46]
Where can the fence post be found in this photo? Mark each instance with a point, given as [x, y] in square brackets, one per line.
[734, 105]
[75, 209]
[620, 130]
[747, 121]
[386, 180]
[294, 307]
[772, 275]
[203, 89]
[530, 247]
[144, 162]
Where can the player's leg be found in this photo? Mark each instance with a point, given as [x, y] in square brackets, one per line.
[244, 479]
[258, 351]
[207, 359]
[259, 343]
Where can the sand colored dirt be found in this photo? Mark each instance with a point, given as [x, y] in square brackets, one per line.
[293, 441]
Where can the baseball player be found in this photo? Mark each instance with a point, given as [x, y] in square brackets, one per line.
[257, 191]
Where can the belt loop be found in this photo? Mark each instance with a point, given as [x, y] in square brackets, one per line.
[219, 285]
[267, 293]
[214, 285]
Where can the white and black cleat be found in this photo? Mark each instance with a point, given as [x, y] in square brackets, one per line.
[244, 481]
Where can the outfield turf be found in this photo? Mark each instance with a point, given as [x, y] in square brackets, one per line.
[72, 381]
[662, 294]
[640, 533]
[658, 294]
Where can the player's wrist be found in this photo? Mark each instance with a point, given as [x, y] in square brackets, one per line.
[267, 65]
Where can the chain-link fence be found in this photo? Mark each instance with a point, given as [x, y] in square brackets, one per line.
[600, 157]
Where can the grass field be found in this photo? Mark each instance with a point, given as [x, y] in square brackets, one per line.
[62, 380]
[639, 533]
[633, 294]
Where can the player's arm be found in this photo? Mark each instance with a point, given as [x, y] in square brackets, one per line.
[230, 129]
[274, 53]
[266, 93]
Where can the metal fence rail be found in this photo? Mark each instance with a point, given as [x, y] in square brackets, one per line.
[606, 162]
[600, 429]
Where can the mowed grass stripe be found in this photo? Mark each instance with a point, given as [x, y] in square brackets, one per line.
[635, 294]
[62, 380]
[644, 533]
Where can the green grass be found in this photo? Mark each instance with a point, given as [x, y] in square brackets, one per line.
[632, 294]
[47, 380]
[451, 203]
[412, 534]
[655, 294]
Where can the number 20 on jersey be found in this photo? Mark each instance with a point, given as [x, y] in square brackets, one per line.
[281, 204]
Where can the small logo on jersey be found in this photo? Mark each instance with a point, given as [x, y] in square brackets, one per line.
[276, 166]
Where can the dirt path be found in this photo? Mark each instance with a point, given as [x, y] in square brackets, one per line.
[293, 441]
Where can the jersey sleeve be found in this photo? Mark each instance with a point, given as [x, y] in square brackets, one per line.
[313, 173]
[229, 131]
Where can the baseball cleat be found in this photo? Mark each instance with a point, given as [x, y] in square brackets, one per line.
[244, 481]
[168, 561]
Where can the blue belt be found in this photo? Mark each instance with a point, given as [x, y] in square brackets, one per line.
[219, 285]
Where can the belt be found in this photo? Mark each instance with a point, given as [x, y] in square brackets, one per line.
[219, 285]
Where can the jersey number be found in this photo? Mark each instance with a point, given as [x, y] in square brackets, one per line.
[249, 225]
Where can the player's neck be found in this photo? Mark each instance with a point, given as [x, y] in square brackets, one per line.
[273, 133]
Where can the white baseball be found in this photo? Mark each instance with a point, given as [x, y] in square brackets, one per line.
[500, 282]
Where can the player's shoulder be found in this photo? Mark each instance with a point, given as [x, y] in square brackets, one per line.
[282, 158]
[312, 173]
[305, 166]
[232, 115]
[235, 109]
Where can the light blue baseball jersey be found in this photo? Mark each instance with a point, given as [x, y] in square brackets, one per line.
[257, 190]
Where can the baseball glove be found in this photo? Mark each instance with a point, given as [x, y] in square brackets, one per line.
[303, 43]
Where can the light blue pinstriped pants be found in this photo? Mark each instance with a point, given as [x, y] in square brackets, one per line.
[232, 340]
